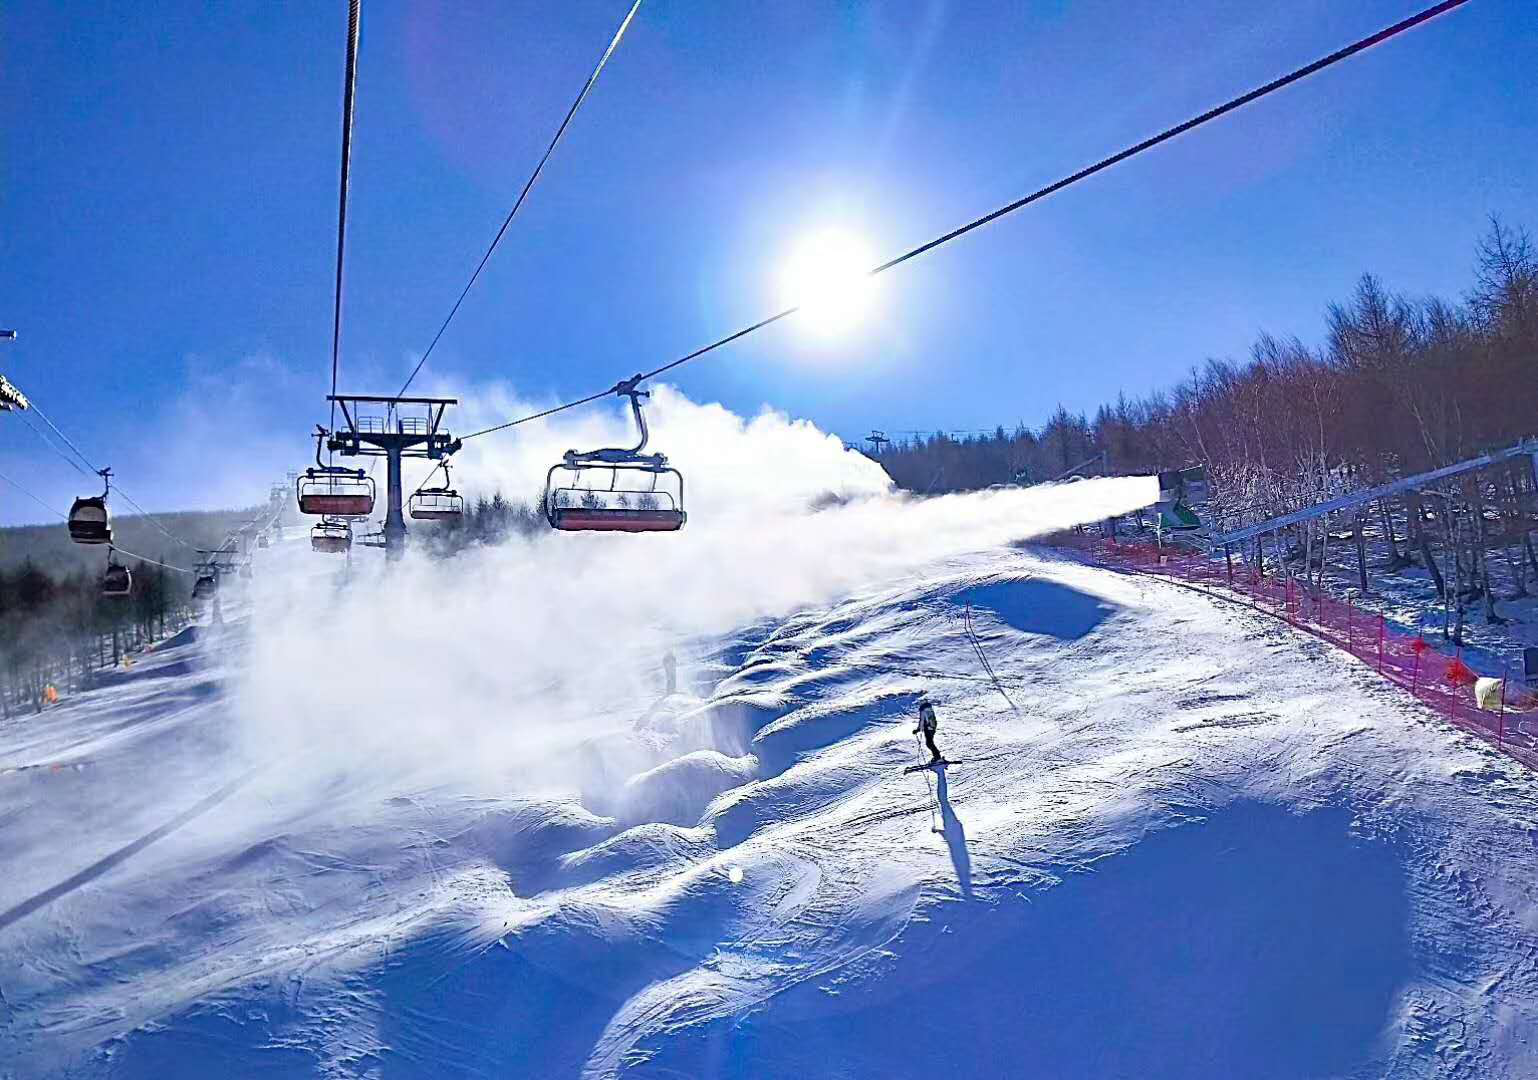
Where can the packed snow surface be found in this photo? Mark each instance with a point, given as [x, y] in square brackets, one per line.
[1176, 840]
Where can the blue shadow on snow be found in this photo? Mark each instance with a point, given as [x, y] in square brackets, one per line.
[1033, 606]
[1260, 944]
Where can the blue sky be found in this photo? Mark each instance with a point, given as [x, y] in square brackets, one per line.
[167, 214]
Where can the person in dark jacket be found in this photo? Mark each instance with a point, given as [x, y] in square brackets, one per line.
[927, 724]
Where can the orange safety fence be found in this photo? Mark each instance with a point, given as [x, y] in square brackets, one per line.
[1443, 682]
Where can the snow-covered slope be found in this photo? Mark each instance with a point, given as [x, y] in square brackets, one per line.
[1187, 843]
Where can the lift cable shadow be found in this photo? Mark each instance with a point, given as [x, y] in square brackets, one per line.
[126, 852]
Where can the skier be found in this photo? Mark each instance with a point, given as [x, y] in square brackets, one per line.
[927, 724]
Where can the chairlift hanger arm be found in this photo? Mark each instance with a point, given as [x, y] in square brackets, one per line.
[624, 455]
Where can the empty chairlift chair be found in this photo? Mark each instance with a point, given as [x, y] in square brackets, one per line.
[331, 537]
[642, 493]
[89, 522]
[335, 492]
[440, 503]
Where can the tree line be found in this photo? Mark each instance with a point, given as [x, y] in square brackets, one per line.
[58, 630]
[1399, 386]
[487, 520]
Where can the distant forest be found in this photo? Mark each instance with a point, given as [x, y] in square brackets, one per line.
[56, 627]
[487, 520]
[48, 547]
[1400, 385]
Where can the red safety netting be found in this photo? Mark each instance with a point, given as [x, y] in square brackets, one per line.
[1443, 682]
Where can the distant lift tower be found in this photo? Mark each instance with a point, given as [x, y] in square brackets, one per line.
[878, 442]
[409, 427]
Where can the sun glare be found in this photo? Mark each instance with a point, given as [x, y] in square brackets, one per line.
[828, 277]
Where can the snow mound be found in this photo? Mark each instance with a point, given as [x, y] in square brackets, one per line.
[1175, 841]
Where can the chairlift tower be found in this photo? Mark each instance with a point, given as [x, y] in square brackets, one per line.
[396, 435]
[878, 441]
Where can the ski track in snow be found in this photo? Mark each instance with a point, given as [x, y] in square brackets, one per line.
[1204, 846]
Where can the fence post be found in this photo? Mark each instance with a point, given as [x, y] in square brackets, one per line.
[1500, 732]
[1415, 673]
[1350, 636]
[1380, 642]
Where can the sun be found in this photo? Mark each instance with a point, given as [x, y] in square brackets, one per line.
[827, 276]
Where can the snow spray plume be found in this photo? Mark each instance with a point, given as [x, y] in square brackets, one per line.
[456, 670]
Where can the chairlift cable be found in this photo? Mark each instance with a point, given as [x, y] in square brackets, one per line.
[349, 85]
[129, 499]
[152, 562]
[66, 439]
[442, 464]
[33, 497]
[48, 442]
[528, 186]
[1167, 134]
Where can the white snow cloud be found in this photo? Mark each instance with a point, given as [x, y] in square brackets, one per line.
[461, 667]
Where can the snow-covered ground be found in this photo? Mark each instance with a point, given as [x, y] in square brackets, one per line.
[1178, 840]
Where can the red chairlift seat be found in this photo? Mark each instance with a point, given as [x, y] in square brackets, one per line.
[590, 519]
[335, 492]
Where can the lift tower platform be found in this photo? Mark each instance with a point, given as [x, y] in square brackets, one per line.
[410, 427]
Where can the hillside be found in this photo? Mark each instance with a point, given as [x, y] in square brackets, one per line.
[50, 550]
[1176, 840]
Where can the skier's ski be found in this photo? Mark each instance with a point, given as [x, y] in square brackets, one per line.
[929, 765]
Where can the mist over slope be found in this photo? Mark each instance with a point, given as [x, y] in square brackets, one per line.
[483, 658]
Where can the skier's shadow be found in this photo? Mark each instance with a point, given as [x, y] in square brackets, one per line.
[955, 835]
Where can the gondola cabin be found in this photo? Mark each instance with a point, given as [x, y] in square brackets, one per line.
[89, 522]
[117, 581]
